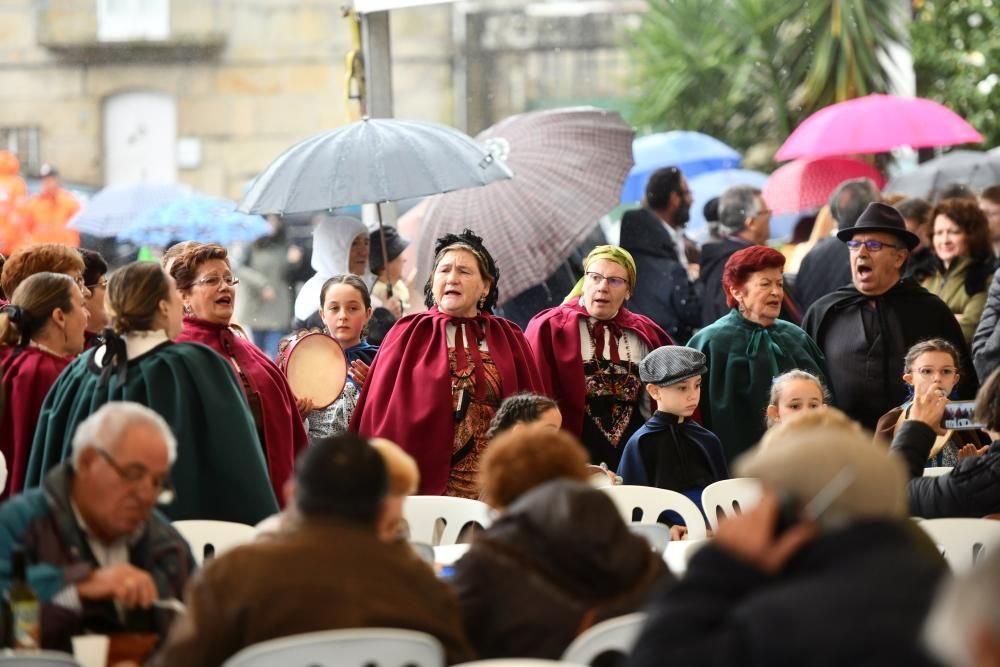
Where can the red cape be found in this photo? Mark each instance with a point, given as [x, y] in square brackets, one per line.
[407, 396]
[554, 337]
[27, 378]
[284, 434]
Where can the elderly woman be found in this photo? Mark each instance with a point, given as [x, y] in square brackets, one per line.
[340, 245]
[220, 471]
[558, 559]
[588, 352]
[440, 375]
[207, 287]
[965, 261]
[748, 348]
[41, 330]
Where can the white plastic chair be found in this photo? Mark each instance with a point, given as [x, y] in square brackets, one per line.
[937, 471]
[679, 553]
[615, 634]
[518, 662]
[9, 658]
[963, 541]
[657, 534]
[222, 535]
[423, 512]
[356, 647]
[726, 495]
[653, 502]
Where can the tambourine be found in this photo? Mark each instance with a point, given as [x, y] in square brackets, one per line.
[316, 367]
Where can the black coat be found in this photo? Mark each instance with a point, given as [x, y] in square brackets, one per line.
[986, 341]
[971, 489]
[857, 596]
[824, 268]
[557, 560]
[713, 260]
[663, 291]
[867, 377]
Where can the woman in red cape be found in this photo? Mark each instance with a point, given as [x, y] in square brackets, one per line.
[41, 331]
[588, 352]
[440, 375]
[208, 290]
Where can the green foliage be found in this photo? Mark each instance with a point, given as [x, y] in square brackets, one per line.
[748, 71]
[956, 55]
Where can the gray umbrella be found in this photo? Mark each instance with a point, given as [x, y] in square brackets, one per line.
[974, 169]
[371, 161]
[112, 209]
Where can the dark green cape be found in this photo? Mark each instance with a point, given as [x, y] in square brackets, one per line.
[220, 471]
[743, 359]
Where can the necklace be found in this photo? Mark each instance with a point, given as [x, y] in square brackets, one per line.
[615, 381]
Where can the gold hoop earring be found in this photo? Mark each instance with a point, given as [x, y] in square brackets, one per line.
[187, 310]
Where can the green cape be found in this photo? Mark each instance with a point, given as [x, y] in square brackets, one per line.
[220, 472]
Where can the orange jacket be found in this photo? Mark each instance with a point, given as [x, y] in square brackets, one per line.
[13, 192]
[44, 218]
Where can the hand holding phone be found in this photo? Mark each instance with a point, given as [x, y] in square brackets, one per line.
[752, 536]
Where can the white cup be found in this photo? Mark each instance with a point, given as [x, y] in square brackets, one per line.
[91, 650]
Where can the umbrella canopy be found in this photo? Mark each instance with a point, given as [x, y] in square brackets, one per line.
[692, 152]
[805, 185]
[113, 208]
[370, 161]
[570, 165]
[972, 168]
[198, 218]
[876, 124]
[714, 183]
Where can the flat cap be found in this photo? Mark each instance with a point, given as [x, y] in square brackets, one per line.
[671, 364]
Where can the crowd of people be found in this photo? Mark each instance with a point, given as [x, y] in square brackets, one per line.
[666, 365]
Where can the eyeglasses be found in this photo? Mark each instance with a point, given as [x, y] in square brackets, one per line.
[136, 473]
[947, 372]
[871, 244]
[103, 282]
[613, 281]
[215, 281]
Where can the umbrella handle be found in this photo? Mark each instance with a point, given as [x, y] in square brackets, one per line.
[385, 251]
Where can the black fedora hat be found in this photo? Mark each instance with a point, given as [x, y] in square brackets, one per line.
[879, 217]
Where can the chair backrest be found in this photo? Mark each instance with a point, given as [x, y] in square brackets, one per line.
[356, 647]
[615, 634]
[936, 471]
[9, 658]
[652, 502]
[678, 553]
[422, 514]
[963, 541]
[518, 662]
[657, 534]
[731, 496]
[222, 535]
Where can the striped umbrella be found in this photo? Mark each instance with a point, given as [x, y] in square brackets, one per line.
[569, 166]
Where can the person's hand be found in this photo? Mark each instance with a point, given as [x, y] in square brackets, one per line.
[928, 407]
[304, 405]
[358, 371]
[694, 270]
[394, 306]
[970, 451]
[750, 536]
[268, 293]
[678, 533]
[294, 255]
[125, 584]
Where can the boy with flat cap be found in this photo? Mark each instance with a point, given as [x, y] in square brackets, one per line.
[671, 451]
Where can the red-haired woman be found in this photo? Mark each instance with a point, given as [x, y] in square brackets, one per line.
[749, 347]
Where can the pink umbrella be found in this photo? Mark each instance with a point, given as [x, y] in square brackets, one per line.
[875, 124]
[803, 185]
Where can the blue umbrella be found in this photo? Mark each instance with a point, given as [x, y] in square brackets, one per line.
[692, 152]
[114, 207]
[713, 184]
[199, 218]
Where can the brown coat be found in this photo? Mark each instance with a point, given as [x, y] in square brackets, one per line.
[321, 575]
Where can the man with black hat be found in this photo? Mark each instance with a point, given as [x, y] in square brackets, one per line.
[671, 451]
[45, 214]
[866, 328]
[654, 236]
[389, 272]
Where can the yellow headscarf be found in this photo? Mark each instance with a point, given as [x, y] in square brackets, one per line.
[612, 253]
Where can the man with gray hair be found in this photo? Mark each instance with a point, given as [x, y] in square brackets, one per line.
[963, 629]
[744, 221]
[98, 554]
[826, 266]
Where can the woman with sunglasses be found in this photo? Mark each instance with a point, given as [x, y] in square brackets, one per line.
[588, 352]
[220, 471]
[207, 288]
